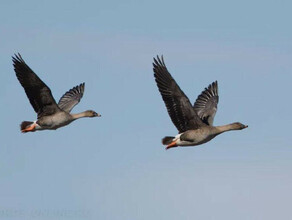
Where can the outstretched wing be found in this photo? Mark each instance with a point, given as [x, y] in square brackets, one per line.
[206, 103]
[177, 103]
[38, 93]
[71, 98]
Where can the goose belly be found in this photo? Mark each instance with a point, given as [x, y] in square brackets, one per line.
[193, 139]
[55, 121]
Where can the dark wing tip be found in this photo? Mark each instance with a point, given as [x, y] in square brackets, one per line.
[17, 59]
[206, 103]
[79, 89]
[82, 86]
[214, 87]
[215, 83]
[159, 66]
[158, 61]
[19, 64]
[71, 97]
[211, 90]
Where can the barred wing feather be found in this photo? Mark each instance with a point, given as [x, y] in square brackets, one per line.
[206, 103]
[177, 103]
[71, 98]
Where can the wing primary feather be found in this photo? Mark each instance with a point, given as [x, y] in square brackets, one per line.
[177, 103]
[38, 93]
[206, 103]
[71, 98]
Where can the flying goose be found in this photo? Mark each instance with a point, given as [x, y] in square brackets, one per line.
[194, 123]
[50, 115]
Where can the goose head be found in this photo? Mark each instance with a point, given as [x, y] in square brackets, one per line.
[238, 126]
[91, 114]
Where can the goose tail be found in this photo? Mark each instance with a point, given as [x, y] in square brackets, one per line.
[26, 126]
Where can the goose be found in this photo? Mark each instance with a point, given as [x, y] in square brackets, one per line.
[193, 122]
[50, 115]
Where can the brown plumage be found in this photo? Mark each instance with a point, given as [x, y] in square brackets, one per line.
[25, 124]
[194, 123]
[38, 93]
[177, 103]
[50, 115]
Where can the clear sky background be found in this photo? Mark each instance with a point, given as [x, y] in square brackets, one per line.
[115, 167]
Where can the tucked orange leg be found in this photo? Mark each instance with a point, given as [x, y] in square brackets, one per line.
[172, 144]
[30, 128]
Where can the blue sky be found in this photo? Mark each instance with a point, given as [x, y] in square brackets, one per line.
[115, 167]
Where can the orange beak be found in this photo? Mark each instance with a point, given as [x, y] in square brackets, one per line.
[172, 144]
[30, 128]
